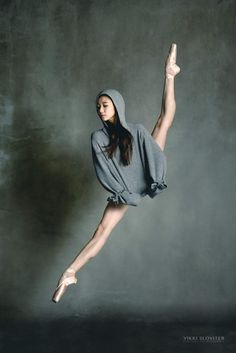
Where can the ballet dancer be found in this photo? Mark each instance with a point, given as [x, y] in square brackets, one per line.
[129, 162]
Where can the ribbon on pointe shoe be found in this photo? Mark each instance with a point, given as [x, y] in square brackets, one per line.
[63, 283]
[67, 279]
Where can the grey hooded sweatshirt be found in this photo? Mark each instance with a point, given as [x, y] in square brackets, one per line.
[145, 175]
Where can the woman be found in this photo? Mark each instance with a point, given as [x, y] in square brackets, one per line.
[129, 162]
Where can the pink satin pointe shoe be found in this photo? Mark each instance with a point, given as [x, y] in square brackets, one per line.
[171, 68]
[67, 278]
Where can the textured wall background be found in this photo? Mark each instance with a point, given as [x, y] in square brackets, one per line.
[174, 255]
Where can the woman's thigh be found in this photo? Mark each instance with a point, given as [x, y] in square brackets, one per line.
[113, 214]
[160, 135]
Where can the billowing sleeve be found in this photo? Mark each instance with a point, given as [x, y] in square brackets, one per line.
[154, 161]
[109, 177]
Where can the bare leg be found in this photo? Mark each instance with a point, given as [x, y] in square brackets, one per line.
[168, 107]
[111, 216]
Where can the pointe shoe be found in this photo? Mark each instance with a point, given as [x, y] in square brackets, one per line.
[63, 284]
[171, 69]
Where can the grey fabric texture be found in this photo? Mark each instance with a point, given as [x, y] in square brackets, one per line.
[145, 175]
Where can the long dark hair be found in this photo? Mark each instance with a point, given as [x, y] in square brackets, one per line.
[119, 136]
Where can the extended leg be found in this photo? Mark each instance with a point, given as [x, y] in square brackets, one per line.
[168, 107]
[111, 216]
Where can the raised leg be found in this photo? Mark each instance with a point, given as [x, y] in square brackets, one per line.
[168, 107]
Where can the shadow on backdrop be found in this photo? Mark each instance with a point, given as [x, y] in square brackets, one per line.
[45, 187]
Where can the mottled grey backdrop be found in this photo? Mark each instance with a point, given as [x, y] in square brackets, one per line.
[171, 256]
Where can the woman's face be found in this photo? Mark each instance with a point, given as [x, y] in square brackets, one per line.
[106, 109]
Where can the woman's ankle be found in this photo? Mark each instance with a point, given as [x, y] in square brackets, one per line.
[71, 269]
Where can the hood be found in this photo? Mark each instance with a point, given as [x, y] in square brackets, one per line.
[118, 102]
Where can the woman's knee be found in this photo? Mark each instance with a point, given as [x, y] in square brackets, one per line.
[111, 216]
[102, 233]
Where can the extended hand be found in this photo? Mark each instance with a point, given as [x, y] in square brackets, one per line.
[171, 69]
